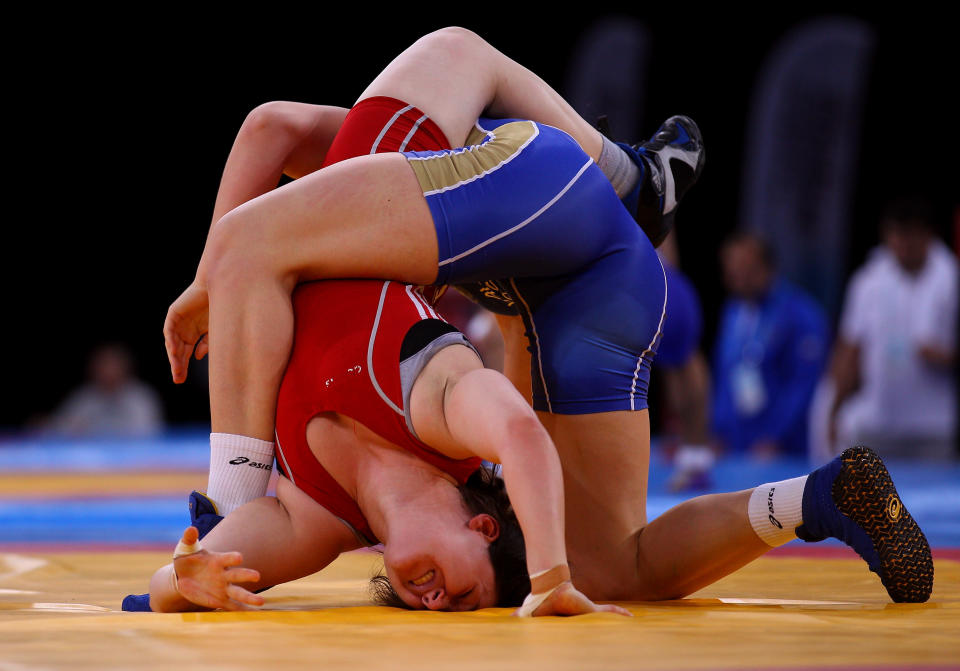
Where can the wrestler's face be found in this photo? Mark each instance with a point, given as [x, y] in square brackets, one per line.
[447, 567]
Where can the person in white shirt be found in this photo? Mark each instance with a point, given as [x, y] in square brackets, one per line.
[893, 368]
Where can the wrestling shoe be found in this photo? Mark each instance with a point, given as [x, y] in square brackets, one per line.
[852, 498]
[136, 603]
[670, 161]
[203, 513]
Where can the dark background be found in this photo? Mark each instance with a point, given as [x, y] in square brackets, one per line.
[120, 125]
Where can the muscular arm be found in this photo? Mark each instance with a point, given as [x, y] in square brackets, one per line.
[463, 410]
[281, 539]
[276, 139]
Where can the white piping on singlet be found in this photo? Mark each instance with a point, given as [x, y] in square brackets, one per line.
[442, 153]
[286, 466]
[413, 130]
[663, 314]
[523, 223]
[373, 337]
[376, 143]
[485, 172]
[536, 337]
[420, 303]
[416, 303]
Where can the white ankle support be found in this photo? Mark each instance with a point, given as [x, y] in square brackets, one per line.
[776, 510]
[240, 469]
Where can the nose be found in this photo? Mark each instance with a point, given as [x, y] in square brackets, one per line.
[435, 599]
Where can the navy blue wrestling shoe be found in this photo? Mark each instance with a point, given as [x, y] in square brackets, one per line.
[203, 513]
[852, 498]
[671, 161]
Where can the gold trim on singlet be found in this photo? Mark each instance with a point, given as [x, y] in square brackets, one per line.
[442, 172]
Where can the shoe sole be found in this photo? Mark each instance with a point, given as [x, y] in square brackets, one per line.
[863, 491]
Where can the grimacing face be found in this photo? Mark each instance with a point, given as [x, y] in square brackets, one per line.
[445, 568]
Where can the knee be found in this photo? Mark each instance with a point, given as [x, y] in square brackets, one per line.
[452, 40]
[234, 254]
[270, 119]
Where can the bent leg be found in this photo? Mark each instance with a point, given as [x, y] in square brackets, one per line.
[614, 554]
[337, 222]
[695, 544]
[454, 76]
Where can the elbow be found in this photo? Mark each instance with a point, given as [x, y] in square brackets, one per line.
[527, 439]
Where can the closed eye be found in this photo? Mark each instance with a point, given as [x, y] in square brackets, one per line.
[460, 598]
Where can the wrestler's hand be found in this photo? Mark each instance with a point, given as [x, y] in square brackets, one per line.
[209, 579]
[185, 326]
[568, 600]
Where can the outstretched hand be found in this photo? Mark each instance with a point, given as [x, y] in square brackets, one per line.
[185, 328]
[209, 579]
[568, 600]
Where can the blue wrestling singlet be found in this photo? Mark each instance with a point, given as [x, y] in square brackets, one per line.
[523, 208]
[684, 323]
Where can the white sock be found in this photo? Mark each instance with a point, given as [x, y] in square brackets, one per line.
[622, 172]
[240, 469]
[776, 510]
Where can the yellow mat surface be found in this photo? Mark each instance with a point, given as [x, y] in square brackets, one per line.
[62, 611]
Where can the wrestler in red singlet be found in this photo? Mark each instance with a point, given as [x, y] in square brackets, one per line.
[349, 340]
[378, 125]
[349, 333]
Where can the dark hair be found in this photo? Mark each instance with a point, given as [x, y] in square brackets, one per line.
[908, 212]
[484, 493]
[767, 255]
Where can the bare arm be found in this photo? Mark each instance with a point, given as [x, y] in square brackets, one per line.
[463, 410]
[275, 539]
[845, 373]
[276, 139]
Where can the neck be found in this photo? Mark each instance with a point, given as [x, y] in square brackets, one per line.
[396, 490]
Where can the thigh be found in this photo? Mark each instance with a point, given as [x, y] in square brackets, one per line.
[605, 459]
[363, 217]
[523, 200]
[450, 74]
[593, 336]
[454, 76]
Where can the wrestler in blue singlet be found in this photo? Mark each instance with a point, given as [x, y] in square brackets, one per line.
[524, 207]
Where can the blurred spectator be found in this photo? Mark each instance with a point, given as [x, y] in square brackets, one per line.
[682, 367]
[111, 403]
[771, 348]
[893, 365]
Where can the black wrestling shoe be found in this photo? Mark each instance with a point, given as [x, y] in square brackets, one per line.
[670, 161]
[853, 499]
